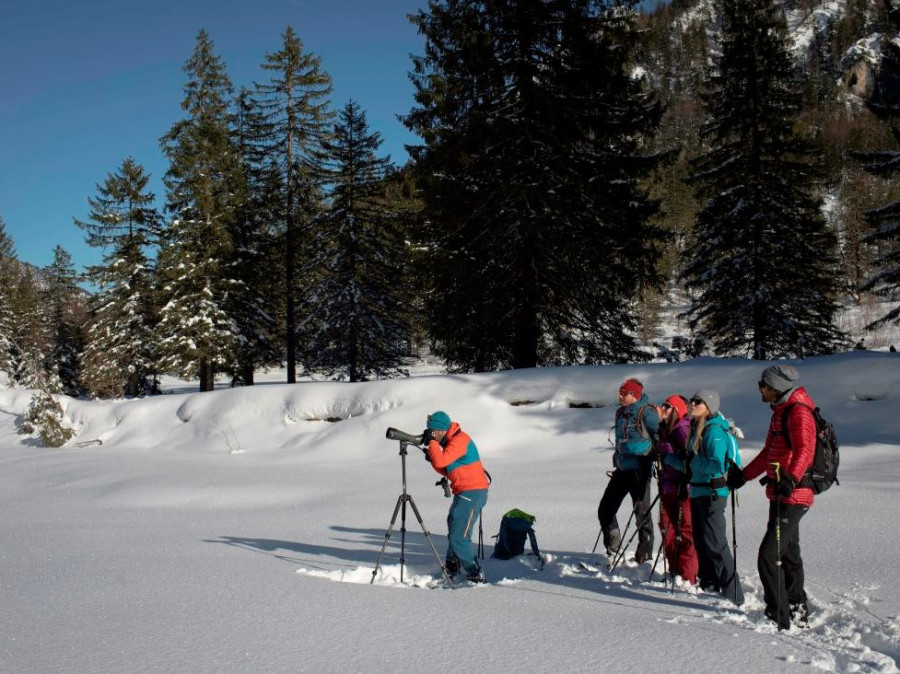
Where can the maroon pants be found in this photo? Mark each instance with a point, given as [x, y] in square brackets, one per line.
[671, 526]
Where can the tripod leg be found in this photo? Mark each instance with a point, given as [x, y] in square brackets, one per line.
[403, 499]
[428, 537]
[387, 537]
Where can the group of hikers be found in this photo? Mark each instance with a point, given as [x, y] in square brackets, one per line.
[688, 444]
[690, 447]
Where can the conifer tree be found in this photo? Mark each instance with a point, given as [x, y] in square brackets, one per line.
[763, 267]
[534, 133]
[119, 350]
[357, 320]
[885, 220]
[8, 274]
[63, 298]
[32, 334]
[257, 295]
[196, 335]
[294, 106]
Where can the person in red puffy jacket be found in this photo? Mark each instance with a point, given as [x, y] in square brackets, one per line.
[785, 464]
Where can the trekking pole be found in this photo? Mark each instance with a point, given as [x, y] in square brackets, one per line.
[734, 541]
[597, 542]
[677, 540]
[480, 535]
[624, 533]
[777, 541]
[656, 561]
[664, 532]
[734, 533]
[621, 551]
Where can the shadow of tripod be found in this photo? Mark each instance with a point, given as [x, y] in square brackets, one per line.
[402, 500]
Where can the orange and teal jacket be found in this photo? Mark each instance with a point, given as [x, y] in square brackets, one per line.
[457, 458]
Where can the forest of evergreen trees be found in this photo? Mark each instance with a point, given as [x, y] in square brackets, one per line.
[579, 162]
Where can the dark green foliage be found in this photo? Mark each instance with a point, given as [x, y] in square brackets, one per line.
[8, 274]
[357, 314]
[294, 115]
[119, 351]
[45, 417]
[257, 264]
[533, 133]
[64, 302]
[196, 335]
[763, 265]
[885, 220]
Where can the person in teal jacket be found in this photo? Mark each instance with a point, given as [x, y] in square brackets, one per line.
[637, 430]
[710, 448]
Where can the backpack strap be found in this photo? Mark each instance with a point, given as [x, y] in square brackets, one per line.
[784, 424]
[806, 480]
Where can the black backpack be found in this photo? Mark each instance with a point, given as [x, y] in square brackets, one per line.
[823, 471]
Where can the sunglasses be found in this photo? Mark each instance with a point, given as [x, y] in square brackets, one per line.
[762, 384]
[697, 401]
[623, 392]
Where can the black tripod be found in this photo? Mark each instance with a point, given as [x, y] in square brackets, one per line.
[402, 500]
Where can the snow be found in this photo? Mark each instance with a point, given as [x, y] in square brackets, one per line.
[237, 531]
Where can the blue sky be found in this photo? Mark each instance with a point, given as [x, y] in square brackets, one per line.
[84, 85]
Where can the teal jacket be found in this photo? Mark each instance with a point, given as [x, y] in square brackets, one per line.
[708, 462]
[635, 440]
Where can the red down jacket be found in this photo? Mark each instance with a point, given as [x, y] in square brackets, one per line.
[794, 458]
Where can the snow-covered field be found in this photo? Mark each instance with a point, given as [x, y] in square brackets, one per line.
[237, 531]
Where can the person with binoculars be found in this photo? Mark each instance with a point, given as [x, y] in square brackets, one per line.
[454, 455]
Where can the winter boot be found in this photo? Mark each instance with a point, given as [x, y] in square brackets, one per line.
[614, 542]
[451, 566]
[800, 615]
[783, 624]
[640, 557]
[476, 577]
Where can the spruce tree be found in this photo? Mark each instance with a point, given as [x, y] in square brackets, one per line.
[884, 237]
[763, 267]
[294, 107]
[357, 321]
[257, 261]
[32, 334]
[119, 349]
[534, 134]
[64, 300]
[8, 274]
[196, 334]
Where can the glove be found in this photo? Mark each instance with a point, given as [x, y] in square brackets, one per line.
[785, 486]
[426, 436]
[735, 479]
[683, 492]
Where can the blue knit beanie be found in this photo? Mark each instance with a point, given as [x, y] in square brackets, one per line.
[439, 421]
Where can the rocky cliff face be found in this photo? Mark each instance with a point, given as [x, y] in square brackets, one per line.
[841, 41]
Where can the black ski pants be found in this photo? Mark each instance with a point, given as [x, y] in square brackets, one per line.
[783, 588]
[621, 483]
[716, 564]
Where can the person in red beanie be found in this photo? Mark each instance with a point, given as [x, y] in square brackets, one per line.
[674, 489]
[637, 431]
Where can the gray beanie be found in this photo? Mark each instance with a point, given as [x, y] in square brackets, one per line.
[780, 377]
[710, 399]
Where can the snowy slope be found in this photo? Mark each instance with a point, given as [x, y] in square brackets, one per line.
[237, 531]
